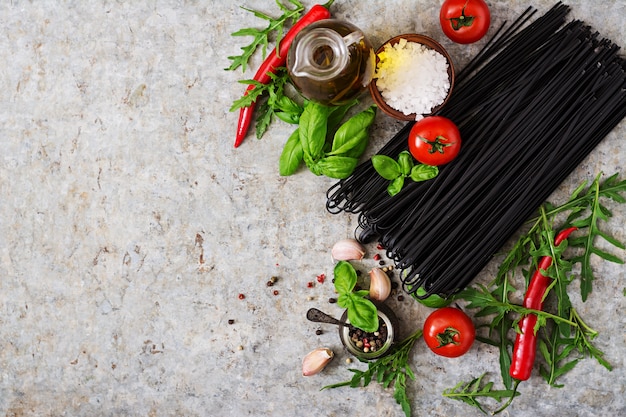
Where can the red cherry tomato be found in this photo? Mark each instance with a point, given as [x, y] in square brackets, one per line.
[434, 140]
[464, 21]
[449, 332]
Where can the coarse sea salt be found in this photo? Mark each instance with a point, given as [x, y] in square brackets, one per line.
[412, 78]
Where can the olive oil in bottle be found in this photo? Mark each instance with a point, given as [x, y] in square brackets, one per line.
[331, 62]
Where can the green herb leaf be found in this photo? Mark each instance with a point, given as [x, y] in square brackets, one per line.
[386, 167]
[470, 392]
[313, 128]
[353, 132]
[362, 313]
[404, 167]
[338, 113]
[390, 370]
[291, 156]
[422, 172]
[395, 186]
[261, 36]
[405, 161]
[338, 167]
[345, 277]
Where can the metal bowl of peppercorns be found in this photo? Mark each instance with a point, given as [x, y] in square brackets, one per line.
[373, 345]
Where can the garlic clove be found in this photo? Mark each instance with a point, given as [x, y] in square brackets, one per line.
[380, 285]
[348, 250]
[316, 360]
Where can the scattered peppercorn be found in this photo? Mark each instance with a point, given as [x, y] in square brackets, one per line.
[394, 285]
[231, 321]
[276, 292]
[270, 283]
[241, 296]
[381, 263]
[401, 298]
[332, 300]
[319, 332]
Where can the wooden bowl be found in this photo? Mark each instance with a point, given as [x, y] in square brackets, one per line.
[428, 42]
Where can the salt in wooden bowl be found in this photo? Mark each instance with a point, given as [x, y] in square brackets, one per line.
[429, 43]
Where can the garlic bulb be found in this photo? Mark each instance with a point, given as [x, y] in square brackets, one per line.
[380, 285]
[348, 250]
[316, 360]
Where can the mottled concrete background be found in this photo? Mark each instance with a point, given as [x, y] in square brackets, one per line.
[129, 225]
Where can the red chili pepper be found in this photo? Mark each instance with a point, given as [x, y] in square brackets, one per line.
[275, 60]
[525, 347]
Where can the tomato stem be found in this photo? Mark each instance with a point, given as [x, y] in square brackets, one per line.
[447, 337]
[438, 144]
[462, 21]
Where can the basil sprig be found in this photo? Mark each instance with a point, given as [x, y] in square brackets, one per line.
[362, 313]
[323, 144]
[404, 167]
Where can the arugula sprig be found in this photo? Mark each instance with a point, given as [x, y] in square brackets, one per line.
[274, 101]
[261, 37]
[470, 392]
[564, 338]
[387, 371]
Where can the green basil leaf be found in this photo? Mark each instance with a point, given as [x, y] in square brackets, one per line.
[362, 313]
[362, 293]
[345, 277]
[406, 163]
[423, 172]
[339, 112]
[291, 118]
[349, 135]
[344, 300]
[292, 154]
[359, 148]
[395, 186]
[313, 127]
[386, 166]
[287, 105]
[338, 167]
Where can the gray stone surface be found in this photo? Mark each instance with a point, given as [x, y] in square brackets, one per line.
[129, 225]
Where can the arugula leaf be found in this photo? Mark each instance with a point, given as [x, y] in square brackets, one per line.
[469, 392]
[261, 36]
[597, 212]
[583, 337]
[390, 370]
[555, 350]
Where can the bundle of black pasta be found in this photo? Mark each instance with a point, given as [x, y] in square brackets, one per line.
[532, 105]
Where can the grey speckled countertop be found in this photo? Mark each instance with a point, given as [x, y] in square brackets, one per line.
[129, 225]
